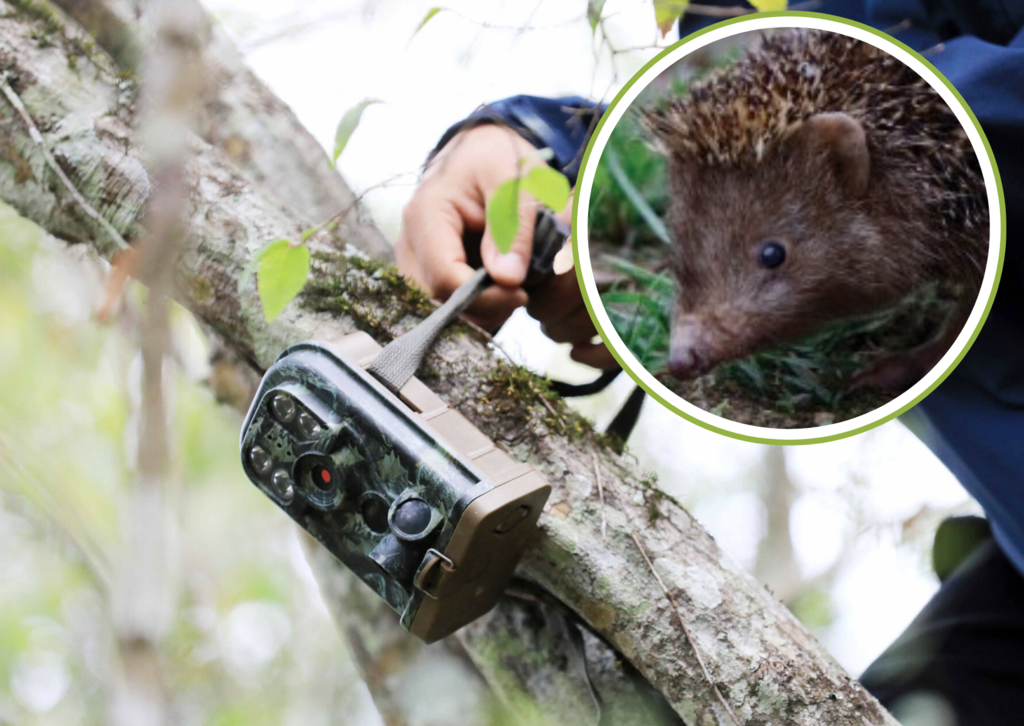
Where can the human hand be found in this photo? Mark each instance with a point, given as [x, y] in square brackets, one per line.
[452, 200]
[558, 305]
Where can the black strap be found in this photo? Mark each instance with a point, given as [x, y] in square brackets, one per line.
[624, 421]
[572, 390]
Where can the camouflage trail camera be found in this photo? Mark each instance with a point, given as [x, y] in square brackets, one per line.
[402, 489]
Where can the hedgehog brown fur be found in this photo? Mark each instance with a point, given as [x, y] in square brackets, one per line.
[740, 112]
[923, 215]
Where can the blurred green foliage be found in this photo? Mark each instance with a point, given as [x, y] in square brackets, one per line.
[250, 641]
[615, 215]
[640, 313]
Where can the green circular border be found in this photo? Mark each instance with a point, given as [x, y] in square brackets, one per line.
[1002, 229]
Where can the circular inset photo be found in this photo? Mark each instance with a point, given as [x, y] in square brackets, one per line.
[788, 228]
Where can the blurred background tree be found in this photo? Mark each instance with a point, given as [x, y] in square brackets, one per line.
[250, 640]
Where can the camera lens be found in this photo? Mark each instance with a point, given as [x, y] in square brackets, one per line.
[412, 517]
[375, 513]
[322, 478]
[283, 407]
[319, 480]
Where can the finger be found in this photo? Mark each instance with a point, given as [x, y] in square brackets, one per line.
[595, 355]
[520, 156]
[510, 268]
[406, 260]
[432, 228]
[494, 306]
[498, 302]
[558, 298]
[577, 328]
[566, 214]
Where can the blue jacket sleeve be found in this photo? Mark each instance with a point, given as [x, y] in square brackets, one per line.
[975, 419]
[563, 125]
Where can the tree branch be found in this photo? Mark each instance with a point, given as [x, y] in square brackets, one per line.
[240, 116]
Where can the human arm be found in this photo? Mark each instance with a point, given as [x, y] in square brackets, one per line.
[473, 158]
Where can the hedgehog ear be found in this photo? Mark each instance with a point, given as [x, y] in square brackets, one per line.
[843, 139]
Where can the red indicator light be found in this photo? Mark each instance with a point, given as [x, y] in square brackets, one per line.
[325, 475]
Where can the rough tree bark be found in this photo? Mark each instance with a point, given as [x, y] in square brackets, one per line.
[588, 634]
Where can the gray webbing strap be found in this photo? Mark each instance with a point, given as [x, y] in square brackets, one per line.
[397, 363]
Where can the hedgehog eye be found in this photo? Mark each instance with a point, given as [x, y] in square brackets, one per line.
[771, 254]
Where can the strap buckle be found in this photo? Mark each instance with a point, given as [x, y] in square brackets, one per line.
[430, 576]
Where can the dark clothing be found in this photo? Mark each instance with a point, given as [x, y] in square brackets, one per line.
[966, 647]
[560, 124]
[976, 417]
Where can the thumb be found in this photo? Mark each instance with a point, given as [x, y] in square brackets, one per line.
[510, 268]
[566, 214]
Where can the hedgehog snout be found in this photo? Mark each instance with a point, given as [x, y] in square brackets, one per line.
[690, 353]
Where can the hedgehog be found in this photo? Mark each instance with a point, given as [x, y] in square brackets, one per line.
[816, 179]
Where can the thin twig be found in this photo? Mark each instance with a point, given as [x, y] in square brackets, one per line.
[339, 217]
[37, 137]
[600, 493]
[686, 630]
[519, 29]
[529, 18]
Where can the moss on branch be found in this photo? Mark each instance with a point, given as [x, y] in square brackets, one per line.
[372, 293]
[51, 28]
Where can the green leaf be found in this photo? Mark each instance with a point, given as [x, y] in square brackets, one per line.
[667, 12]
[348, 124]
[281, 275]
[307, 233]
[768, 5]
[594, 8]
[750, 368]
[503, 214]
[632, 298]
[250, 270]
[548, 186]
[426, 19]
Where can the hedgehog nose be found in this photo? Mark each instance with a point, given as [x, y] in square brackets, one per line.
[687, 361]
